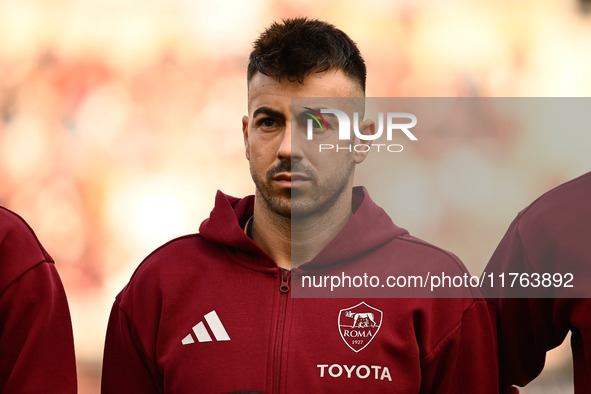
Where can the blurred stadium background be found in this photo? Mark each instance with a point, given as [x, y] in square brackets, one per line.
[120, 119]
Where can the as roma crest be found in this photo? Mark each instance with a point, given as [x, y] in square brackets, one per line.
[359, 325]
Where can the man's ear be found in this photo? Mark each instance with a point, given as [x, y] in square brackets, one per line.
[367, 127]
[245, 135]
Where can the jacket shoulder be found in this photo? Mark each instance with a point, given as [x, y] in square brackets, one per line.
[20, 250]
[557, 215]
[175, 259]
[434, 255]
[570, 197]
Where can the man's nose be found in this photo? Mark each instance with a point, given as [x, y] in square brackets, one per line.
[289, 149]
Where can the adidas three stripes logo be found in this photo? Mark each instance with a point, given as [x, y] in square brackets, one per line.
[201, 333]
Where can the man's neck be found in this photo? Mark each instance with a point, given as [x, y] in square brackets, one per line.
[291, 243]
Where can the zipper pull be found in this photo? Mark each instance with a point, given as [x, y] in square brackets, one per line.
[284, 287]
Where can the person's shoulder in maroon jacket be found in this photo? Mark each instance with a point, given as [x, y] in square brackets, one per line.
[548, 246]
[36, 342]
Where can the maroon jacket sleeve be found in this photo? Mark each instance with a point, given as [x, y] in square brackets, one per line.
[126, 368]
[527, 327]
[465, 360]
[36, 343]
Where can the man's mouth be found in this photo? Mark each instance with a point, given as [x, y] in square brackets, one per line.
[290, 179]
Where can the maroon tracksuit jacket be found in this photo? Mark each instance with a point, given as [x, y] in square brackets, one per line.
[212, 313]
[552, 235]
[36, 343]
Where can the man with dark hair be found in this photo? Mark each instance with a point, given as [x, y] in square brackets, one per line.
[215, 312]
[36, 343]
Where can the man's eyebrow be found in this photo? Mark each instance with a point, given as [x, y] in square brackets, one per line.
[268, 111]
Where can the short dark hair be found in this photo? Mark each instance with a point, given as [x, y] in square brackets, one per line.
[298, 47]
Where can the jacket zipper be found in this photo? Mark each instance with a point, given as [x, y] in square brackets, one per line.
[283, 296]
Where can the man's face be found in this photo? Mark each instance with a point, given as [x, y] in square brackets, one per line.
[289, 173]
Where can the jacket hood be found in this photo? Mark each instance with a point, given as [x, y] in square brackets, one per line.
[369, 227]
[224, 225]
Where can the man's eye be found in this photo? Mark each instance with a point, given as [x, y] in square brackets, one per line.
[268, 122]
